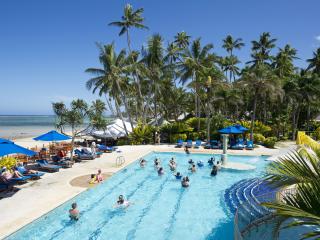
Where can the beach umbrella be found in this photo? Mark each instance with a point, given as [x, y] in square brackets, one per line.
[230, 130]
[9, 147]
[241, 128]
[52, 136]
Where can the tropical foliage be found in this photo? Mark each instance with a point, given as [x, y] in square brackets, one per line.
[168, 78]
[79, 117]
[299, 170]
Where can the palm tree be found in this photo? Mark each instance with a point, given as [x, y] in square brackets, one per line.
[230, 44]
[182, 40]
[153, 59]
[299, 169]
[283, 61]
[261, 49]
[314, 62]
[111, 77]
[259, 81]
[230, 64]
[196, 60]
[130, 19]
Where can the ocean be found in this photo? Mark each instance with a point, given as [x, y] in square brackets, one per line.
[23, 126]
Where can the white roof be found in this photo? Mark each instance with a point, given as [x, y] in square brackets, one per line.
[114, 130]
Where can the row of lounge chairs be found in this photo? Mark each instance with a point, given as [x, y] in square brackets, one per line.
[53, 166]
[214, 144]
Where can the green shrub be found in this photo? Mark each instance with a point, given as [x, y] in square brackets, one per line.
[142, 134]
[258, 138]
[193, 122]
[317, 134]
[176, 127]
[175, 137]
[270, 142]
[8, 162]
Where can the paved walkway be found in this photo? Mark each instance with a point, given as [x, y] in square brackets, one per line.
[38, 197]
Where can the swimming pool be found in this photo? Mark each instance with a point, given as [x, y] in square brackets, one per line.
[162, 209]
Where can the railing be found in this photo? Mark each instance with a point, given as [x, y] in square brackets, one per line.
[245, 220]
[120, 161]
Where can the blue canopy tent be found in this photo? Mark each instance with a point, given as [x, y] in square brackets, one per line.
[241, 128]
[230, 130]
[9, 147]
[52, 136]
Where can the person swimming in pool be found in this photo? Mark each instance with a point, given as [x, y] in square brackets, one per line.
[172, 165]
[74, 213]
[211, 161]
[214, 171]
[185, 182]
[178, 175]
[191, 161]
[143, 163]
[218, 165]
[186, 150]
[200, 163]
[160, 171]
[193, 168]
[121, 202]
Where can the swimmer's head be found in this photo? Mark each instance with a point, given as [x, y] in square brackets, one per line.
[74, 205]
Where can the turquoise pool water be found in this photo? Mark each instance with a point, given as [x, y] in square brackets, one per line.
[162, 209]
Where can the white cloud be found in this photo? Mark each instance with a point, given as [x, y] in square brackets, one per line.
[318, 38]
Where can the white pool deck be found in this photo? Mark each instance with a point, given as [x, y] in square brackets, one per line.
[38, 197]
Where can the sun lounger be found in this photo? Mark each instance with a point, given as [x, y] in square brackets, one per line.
[215, 144]
[63, 162]
[5, 184]
[198, 144]
[189, 144]
[237, 146]
[43, 164]
[179, 143]
[84, 155]
[104, 148]
[249, 145]
[35, 175]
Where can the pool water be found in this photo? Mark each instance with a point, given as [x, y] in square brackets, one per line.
[161, 208]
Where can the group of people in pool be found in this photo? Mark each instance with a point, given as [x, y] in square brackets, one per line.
[185, 182]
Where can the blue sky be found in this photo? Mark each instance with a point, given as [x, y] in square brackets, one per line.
[45, 46]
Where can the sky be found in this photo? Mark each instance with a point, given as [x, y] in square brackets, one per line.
[45, 46]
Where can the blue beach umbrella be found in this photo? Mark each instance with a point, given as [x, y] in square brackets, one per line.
[241, 128]
[9, 147]
[52, 136]
[230, 130]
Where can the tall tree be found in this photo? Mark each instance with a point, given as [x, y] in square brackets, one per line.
[111, 78]
[230, 44]
[261, 49]
[283, 61]
[130, 19]
[314, 62]
[182, 40]
[259, 80]
[196, 59]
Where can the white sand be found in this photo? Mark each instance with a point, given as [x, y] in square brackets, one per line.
[38, 197]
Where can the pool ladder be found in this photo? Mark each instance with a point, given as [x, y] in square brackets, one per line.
[120, 161]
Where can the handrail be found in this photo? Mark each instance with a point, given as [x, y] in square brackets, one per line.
[120, 160]
[243, 223]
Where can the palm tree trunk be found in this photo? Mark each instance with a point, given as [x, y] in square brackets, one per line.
[128, 40]
[120, 115]
[253, 116]
[124, 99]
[308, 117]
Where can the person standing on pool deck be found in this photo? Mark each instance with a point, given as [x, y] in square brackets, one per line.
[74, 213]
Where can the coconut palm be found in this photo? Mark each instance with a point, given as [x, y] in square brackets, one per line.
[230, 64]
[130, 19]
[230, 44]
[111, 77]
[299, 169]
[283, 61]
[261, 49]
[182, 40]
[259, 81]
[196, 60]
[314, 62]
